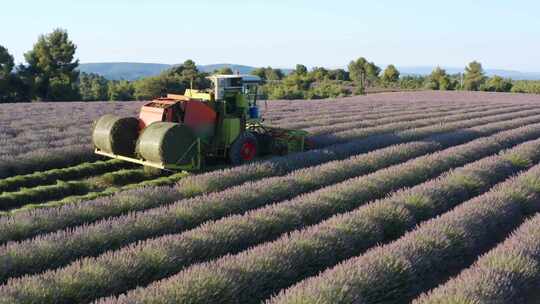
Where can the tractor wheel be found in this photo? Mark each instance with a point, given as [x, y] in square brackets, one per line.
[243, 149]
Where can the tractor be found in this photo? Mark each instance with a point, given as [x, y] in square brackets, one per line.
[181, 132]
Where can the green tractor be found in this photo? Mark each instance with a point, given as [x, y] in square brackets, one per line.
[180, 132]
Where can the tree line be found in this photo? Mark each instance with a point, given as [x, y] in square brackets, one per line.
[50, 74]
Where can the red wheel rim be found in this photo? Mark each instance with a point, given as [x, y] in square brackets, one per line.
[247, 152]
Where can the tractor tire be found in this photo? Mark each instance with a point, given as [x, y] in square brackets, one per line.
[243, 149]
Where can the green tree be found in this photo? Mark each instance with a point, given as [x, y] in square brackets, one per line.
[326, 89]
[390, 75]
[300, 69]
[526, 86]
[268, 73]
[357, 70]
[274, 74]
[188, 74]
[412, 82]
[338, 74]
[498, 84]
[364, 73]
[6, 63]
[372, 74]
[319, 73]
[12, 86]
[261, 72]
[474, 76]
[121, 90]
[157, 86]
[93, 87]
[52, 67]
[439, 80]
[224, 71]
[6, 67]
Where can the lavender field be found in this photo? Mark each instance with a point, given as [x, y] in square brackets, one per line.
[410, 197]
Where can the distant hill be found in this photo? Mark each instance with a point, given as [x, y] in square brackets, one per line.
[136, 70]
[515, 75]
[124, 70]
[242, 69]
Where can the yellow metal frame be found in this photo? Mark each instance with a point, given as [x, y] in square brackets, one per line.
[196, 94]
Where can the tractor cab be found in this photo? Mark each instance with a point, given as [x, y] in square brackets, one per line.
[238, 92]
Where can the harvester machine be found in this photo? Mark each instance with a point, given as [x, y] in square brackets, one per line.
[180, 132]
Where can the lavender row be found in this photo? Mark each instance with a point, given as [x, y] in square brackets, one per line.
[303, 122]
[27, 224]
[310, 111]
[55, 121]
[131, 267]
[507, 274]
[344, 136]
[346, 116]
[46, 159]
[354, 133]
[52, 250]
[49, 251]
[357, 123]
[360, 122]
[270, 267]
[399, 271]
[13, 149]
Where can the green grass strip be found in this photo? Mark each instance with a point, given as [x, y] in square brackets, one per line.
[15, 183]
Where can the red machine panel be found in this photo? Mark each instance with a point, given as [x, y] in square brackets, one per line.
[198, 114]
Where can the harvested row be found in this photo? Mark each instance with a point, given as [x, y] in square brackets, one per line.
[51, 176]
[51, 250]
[27, 224]
[10, 200]
[125, 177]
[74, 190]
[237, 233]
[399, 271]
[156, 182]
[507, 274]
[340, 137]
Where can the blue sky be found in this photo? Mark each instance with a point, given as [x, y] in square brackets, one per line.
[500, 34]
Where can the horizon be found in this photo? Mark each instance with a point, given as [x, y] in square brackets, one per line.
[281, 34]
[310, 67]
